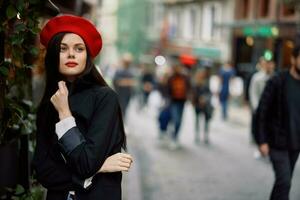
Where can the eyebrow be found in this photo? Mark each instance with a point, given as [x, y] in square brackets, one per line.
[75, 44]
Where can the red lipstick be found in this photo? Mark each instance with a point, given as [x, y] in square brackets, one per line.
[71, 64]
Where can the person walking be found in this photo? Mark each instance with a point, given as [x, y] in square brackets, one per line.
[80, 130]
[124, 82]
[278, 127]
[256, 88]
[164, 115]
[178, 88]
[226, 74]
[201, 99]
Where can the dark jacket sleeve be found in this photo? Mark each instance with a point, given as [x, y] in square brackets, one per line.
[86, 152]
[264, 111]
[50, 172]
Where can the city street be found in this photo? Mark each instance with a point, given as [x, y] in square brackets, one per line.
[225, 169]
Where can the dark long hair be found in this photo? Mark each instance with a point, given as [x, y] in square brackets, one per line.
[47, 115]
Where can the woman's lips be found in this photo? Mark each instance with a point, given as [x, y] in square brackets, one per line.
[71, 64]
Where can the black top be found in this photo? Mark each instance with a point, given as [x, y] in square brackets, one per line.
[98, 135]
[293, 95]
[272, 113]
[201, 91]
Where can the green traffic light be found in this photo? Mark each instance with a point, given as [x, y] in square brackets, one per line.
[268, 55]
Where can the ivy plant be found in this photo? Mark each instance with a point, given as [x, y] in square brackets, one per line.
[19, 27]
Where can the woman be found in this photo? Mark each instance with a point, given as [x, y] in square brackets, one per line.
[202, 104]
[79, 123]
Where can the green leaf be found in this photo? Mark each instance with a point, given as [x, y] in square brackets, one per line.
[30, 23]
[20, 5]
[4, 71]
[11, 12]
[34, 51]
[35, 30]
[18, 54]
[17, 39]
[20, 27]
[19, 189]
[18, 110]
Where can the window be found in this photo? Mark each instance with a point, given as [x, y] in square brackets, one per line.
[288, 10]
[188, 23]
[211, 16]
[193, 20]
[242, 11]
[179, 26]
[173, 23]
[264, 8]
[154, 15]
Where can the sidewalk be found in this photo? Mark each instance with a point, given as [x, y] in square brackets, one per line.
[135, 184]
[239, 115]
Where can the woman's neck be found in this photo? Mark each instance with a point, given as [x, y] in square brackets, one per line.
[71, 78]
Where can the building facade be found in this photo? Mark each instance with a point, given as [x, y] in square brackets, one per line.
[262, 28]
[191, 28]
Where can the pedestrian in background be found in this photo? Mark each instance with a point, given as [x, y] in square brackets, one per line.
[256, 88]
[124, 82]
[201, 100]
[278, 128]
[79, 122]
[178, 88]
[147, 81]
[226, 73]
[164, 115]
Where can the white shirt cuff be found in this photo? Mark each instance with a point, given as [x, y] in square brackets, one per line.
[87, 182]
[64, 125]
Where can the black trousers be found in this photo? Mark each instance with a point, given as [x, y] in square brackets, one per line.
[283, 162]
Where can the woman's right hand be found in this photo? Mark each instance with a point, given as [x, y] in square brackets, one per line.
[117, 162]
[60, 101]
[264, 149]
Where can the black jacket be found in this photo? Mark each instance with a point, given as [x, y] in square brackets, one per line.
[98, 135]
[272, 113]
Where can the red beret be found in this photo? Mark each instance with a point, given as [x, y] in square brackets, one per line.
[73, 24]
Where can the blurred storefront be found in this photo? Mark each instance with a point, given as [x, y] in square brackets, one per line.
[262, 28]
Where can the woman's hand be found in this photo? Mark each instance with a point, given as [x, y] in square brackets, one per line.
[264, 149]
[60, 101]
[117, 162]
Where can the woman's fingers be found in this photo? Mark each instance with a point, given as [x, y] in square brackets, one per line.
[128, 156]
[125, 157]
[125, 160]
[117, 162]
[124, 164]
[126, 169]
[62, 87]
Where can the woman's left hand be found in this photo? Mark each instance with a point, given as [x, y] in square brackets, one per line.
[60, 101]
[117, 162]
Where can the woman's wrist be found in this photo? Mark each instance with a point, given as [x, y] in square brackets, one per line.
[64, 115]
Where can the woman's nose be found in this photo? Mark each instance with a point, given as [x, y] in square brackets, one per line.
[71, 54]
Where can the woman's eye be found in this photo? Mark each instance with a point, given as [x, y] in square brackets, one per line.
[62, 49]
[79, 49]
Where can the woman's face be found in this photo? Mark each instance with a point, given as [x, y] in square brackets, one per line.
[73, 55]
